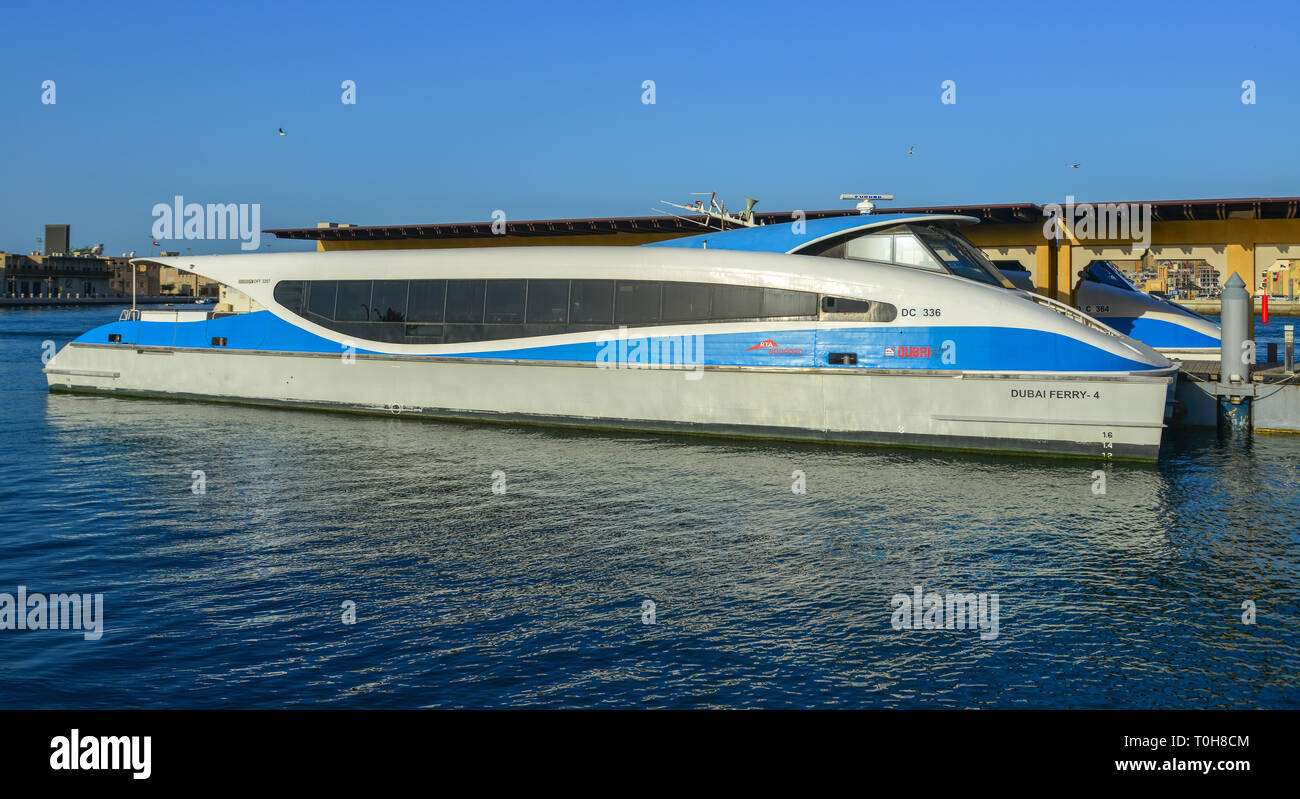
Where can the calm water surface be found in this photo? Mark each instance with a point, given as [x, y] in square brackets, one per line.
[764, 598]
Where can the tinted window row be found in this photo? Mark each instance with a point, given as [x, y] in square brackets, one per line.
[430, 311]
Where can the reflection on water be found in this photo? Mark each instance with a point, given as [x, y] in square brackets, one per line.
[764, 597]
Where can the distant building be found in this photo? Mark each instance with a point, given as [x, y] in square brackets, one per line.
[1189, 277]
[1282, 279]
[55, 275]
[58, 239]
[146, 278]
[187, 284]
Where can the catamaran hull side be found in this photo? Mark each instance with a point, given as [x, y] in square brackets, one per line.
[1114, 416]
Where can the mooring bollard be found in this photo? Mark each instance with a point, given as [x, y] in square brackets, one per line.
[1236, 356]
[1288, 347]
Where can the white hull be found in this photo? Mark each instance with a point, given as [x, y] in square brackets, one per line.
[1103, 416]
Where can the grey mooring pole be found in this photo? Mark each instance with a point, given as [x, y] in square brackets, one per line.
[1288, 347]
[1236, 357]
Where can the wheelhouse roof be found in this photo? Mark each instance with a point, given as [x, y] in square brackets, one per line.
[783, 237]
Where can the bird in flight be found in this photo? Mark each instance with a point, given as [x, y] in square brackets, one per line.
[910, 149]
[282, 133]
[1073, 166]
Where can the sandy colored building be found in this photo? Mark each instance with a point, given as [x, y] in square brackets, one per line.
[54, 275]
[1282, 279]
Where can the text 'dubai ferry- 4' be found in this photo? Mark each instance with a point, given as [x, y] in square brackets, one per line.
[649, 339]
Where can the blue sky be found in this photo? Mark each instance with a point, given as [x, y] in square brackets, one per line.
[535, 108]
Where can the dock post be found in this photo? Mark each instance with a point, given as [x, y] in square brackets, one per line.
[1288, 347]
[1236, 357]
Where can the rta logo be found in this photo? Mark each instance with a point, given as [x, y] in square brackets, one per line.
[773, 349]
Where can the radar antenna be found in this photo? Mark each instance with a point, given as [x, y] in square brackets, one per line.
[866, 205]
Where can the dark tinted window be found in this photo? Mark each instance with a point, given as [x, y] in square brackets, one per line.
[426, 301]
[353, 302]
[289, 293]
[592, 302]
[637, 302]
[388, 302]
[423, 334]
[845, 305]
[438, 311]
[548, 300]
[737, 302]
[505, 301]
[873, 311]
[320, 298]
[464, 300]
[778, 302]
[685, 302]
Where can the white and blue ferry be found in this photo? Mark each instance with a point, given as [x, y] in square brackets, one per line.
[719, 342]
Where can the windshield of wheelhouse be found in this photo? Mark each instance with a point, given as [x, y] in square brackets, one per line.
[1104, 272]
[960, 256]
[917, 246]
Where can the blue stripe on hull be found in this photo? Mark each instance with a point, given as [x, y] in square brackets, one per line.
[968, 348]
[1159, 333]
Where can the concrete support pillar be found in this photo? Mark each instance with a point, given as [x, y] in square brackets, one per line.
[1064, 273]
[1044, 264]
[1241, 262]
